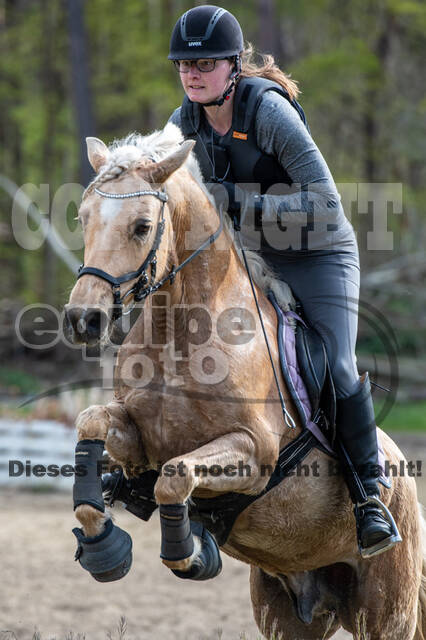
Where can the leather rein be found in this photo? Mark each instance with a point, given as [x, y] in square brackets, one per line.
[144, 285]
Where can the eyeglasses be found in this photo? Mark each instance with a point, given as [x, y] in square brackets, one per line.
[205, 65]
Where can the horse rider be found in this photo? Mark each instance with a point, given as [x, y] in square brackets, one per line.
[250, 131]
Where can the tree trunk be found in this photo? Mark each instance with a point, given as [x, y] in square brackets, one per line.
[268, 37]
[80, 83]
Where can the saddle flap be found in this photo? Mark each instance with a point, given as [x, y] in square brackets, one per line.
[315, 371]
[312, 359]
[306, 371]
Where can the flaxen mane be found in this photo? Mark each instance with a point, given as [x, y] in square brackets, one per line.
[129, 151]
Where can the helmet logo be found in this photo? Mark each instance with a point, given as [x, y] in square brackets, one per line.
[197, 43]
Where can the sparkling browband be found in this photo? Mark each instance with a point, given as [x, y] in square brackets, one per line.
[159, 194]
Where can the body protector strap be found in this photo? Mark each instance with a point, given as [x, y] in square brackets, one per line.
[238, 148]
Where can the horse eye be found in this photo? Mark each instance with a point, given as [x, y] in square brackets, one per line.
[141, 228]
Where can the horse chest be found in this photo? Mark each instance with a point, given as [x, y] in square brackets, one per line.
[171, 424]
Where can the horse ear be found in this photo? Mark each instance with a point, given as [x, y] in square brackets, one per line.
[97, 152]
[163, 169]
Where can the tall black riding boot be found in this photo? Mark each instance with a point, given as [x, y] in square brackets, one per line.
[357, 435]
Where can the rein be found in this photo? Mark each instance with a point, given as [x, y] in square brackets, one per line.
[288, 419]
[144, 286]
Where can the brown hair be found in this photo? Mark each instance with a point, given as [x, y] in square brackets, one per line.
[268, 69]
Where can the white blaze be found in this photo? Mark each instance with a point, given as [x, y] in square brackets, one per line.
[110, 208]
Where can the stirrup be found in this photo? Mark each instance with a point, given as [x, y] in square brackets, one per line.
[388, 542]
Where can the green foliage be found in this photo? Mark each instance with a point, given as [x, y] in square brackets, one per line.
[359, 66]
[16, 382]
[406, 417]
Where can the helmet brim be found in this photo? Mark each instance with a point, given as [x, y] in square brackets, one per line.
[197, 55]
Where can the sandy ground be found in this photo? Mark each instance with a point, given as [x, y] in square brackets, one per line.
[42, 588]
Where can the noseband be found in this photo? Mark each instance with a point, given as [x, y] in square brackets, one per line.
[144, 286]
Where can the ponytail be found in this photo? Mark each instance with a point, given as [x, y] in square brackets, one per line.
[268, 69]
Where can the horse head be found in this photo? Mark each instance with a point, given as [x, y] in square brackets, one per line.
[128, 235]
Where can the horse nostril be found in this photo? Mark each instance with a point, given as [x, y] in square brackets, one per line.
[96, 322]
[88, 324]
[73, 317]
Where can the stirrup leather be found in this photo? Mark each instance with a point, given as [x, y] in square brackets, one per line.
[388, 542]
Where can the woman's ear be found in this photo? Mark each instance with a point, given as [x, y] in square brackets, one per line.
[236, 69]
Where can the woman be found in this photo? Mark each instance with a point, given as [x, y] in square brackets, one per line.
[250, 131]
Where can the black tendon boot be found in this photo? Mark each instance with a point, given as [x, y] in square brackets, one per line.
[357, 436]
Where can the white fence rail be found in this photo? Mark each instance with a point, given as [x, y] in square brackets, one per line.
[36, 454]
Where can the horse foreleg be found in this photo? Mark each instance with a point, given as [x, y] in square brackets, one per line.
[123, 441]
[92, 429]
[226, 464]
[103, 548]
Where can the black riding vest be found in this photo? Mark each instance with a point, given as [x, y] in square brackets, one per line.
[238, 149]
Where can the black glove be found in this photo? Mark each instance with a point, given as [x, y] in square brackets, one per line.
[224, 194]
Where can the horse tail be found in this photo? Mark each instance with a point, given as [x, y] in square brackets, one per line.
[421, 611]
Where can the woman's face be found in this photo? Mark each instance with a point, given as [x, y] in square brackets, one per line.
[206, 86]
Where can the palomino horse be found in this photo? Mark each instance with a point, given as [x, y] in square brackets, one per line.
[307, 576]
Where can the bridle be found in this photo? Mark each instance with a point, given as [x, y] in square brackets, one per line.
[145, 285]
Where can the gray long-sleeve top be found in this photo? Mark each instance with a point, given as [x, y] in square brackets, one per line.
[307, 215]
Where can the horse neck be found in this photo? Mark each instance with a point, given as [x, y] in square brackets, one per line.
[214, 279]
[217, 268]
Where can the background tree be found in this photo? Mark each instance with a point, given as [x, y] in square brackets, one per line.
[359, 66]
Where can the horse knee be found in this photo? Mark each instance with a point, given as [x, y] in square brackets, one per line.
[93, 423]
[124, 445]
[124, 442]
[175, 483]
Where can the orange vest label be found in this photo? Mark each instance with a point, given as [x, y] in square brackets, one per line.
[239, 135]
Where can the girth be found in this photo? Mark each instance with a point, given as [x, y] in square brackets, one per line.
[218, 514]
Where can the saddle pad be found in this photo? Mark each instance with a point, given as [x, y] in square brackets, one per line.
[291, 371]
[294, 381]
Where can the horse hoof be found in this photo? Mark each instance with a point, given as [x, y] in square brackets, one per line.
[108, 556]
[208, 563]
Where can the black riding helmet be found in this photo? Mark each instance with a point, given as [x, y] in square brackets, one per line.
[206, 32]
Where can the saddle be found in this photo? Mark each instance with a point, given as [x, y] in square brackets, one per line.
[305, 368]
